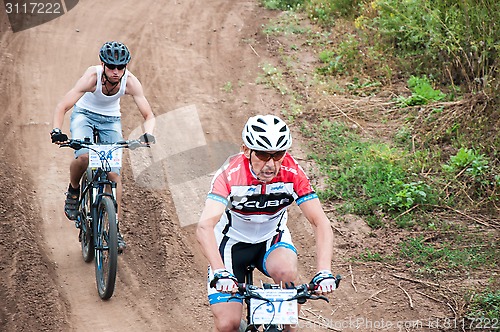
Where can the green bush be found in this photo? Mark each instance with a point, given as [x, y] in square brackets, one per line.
[455, 40]
[422, 93]
[409, 195]
[468, 161]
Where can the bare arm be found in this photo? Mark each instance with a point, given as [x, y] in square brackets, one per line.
[86, 83]
[134, 88]
[211, 214]
[323, 233]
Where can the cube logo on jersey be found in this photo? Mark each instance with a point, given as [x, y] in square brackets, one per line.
[268, 204]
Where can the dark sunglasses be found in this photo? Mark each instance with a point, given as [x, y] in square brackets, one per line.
[266, 156]
[113, 67]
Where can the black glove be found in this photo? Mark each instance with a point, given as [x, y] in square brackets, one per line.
[147, 138]
[57, 136]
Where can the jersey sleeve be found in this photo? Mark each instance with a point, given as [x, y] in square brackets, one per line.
[302, 186]
[220, 187]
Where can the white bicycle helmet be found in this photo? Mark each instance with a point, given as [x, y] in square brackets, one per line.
[266, 133]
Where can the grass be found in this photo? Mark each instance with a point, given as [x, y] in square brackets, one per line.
[368, 176]
[485, 307]
[454, 254]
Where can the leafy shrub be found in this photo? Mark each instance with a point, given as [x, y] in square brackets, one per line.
[469, 161]
[422, 93]
[409, 195]
[457, 40]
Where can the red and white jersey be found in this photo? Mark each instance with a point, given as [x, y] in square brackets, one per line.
[257, 211]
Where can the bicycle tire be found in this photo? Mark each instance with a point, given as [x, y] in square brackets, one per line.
[106, 253]
[85, 236]
[243, 326]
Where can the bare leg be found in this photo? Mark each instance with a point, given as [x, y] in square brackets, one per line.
[77, 168]
[227, 316]
[282, 267]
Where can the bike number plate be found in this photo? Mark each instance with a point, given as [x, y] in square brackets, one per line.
[114, 158]
[278, 311]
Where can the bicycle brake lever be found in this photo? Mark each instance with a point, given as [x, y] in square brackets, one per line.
[319, 297]
[134, 145]
[75, 145]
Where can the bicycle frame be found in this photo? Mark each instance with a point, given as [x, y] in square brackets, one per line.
[247, 292]
[97, 219]
[249, 326]
[96, 188]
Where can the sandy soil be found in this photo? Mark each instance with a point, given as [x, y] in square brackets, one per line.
[198, 62]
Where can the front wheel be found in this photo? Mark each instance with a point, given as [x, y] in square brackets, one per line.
[106, 253]
[243, 326]
[85, 236]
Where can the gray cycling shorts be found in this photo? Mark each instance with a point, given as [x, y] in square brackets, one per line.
[84, 121]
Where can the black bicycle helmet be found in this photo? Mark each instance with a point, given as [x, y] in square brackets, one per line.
[114, 53]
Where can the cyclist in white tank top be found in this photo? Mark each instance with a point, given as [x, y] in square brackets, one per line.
[96, 101]
[100, 103]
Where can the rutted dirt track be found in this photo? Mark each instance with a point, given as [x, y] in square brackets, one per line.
[184, 53]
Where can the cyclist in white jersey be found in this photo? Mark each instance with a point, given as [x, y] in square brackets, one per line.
[95, 100]
[244, 221]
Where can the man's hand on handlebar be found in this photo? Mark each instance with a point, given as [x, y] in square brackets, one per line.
[224, 281]
[58, 137]
[325, 282]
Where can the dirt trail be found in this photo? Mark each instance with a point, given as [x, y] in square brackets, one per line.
[183, 52]
[186, 54]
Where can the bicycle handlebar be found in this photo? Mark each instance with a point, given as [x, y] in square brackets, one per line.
[77, 144]
[304, 292]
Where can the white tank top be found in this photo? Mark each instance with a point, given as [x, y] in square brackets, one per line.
[99, 103]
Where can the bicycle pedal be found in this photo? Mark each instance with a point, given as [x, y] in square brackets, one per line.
[78, 224]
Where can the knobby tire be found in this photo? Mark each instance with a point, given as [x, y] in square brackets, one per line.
[106, 254]
[86, 239]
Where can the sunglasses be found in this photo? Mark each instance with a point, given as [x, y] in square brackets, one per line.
[113, 67]
[266, 156]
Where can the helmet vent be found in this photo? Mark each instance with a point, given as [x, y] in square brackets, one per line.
[258, 129]
[265, 139]
[280, 140]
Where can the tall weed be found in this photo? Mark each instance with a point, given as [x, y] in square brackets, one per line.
[456, 40]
